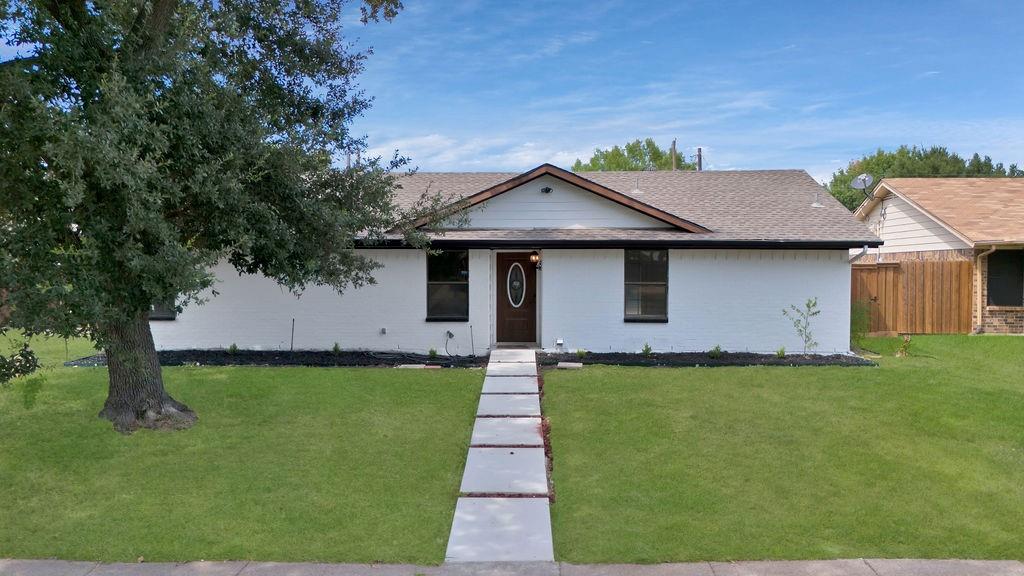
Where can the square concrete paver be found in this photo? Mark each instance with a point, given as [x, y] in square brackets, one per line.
[505, 471]
[501, 530]
[507, 432]
[512, 355]
[510, 384]
[511, 369]
[509, 405]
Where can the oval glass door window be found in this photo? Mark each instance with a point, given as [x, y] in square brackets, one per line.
[516, 285]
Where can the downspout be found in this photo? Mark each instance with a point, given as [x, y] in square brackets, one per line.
[978, 302]
[863, 251]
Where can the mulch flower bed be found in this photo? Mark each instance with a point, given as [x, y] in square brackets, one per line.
[703, 359]
[295, 358]
[328, 358]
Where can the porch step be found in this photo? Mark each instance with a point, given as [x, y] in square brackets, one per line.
[512, 355]
[511, 369]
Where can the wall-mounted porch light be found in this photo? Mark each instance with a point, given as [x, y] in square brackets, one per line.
[535, 258]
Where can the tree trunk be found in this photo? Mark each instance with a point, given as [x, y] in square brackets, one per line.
[137, 398]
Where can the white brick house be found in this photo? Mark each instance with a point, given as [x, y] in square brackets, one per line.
[603, 261]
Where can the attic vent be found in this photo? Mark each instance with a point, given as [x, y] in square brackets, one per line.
[817, 200]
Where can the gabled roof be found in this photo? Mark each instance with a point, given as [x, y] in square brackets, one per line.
[768, 208]
[581, 182]
[980, 211]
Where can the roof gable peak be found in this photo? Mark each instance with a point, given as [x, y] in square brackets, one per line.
[574, 179]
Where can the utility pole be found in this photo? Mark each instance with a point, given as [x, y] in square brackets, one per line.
[673, 154]
[700, 160]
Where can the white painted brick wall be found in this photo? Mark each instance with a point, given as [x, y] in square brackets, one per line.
[730, 298]
[255, 313]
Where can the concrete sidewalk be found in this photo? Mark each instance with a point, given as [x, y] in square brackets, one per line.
[858, 567]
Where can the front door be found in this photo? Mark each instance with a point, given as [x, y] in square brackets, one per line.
[517, 298]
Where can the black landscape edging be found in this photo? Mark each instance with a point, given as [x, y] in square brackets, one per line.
[693, 359]
[318, 358]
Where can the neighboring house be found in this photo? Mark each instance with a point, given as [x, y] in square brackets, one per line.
[977, 220]
[602, 261]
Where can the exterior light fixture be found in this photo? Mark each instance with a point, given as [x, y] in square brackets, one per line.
[535, 258]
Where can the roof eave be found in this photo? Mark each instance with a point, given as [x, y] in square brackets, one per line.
[639, 243]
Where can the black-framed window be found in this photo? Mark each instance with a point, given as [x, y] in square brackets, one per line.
[163, 311]
[1006, 278]
[646, 285]
[448, 286]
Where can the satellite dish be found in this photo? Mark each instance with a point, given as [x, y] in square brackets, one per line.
[863, 183]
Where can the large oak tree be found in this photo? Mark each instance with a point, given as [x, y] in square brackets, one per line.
[144, 141]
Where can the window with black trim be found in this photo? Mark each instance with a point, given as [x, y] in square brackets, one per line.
[1006, 278]
[163, 311]
[646, 285]
[448, 286]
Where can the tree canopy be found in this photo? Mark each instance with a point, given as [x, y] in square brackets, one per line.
[636, 155]
[907, 162]
[144, 141]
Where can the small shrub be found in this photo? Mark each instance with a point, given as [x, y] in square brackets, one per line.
[801, 318]
[715, 352]
[233, 349]
[860, 322]
[432, 353]
[581, 353]
[904, 350]
[781, 352]
[646, 351]
[336, 350]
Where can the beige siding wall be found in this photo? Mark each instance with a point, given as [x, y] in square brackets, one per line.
[906, 229]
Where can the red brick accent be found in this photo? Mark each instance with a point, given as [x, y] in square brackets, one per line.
[994, 319]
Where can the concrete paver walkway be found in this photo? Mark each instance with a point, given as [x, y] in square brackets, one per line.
[510, 385]
[505, 471]
[503, 512]
[856, 567]
[509, 405]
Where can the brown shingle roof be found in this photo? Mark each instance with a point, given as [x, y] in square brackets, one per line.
[983, 210]
[750, 206]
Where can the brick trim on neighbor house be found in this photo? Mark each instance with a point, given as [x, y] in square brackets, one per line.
[994, 319]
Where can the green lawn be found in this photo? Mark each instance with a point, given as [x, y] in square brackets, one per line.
[300, 464]
[921, 457]
[52, 352]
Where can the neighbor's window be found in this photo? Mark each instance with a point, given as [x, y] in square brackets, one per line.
[448, 286]
[646, 285]
[1006, 278]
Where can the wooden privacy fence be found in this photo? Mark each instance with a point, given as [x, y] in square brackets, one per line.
[916, 297]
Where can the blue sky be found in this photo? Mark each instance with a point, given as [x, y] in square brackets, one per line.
[509, 85]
